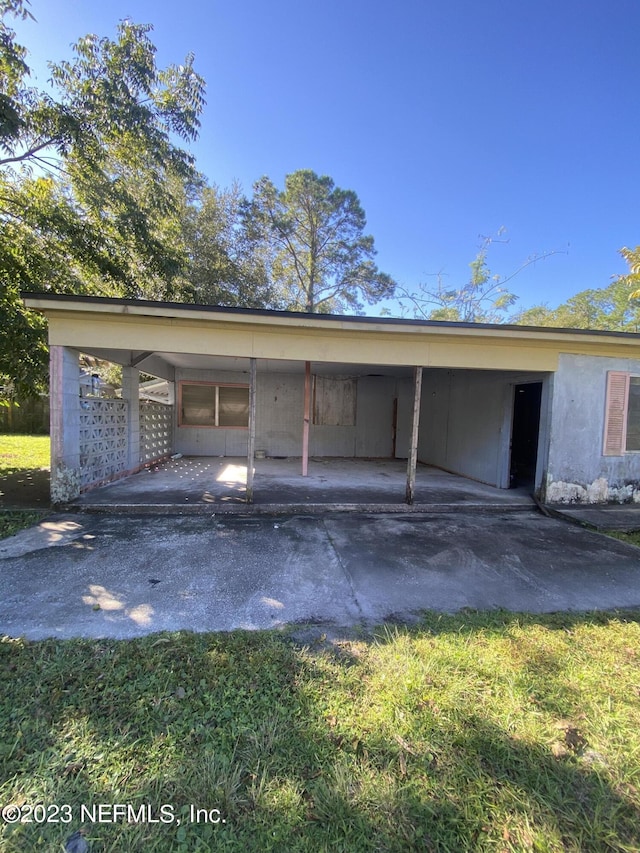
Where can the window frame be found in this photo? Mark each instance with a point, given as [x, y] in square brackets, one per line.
[216, 386]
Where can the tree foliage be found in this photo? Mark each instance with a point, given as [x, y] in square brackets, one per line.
[612, 308]
[315, 252]
[484, 298]
[632, 278]
[225, 265]
[89, 178]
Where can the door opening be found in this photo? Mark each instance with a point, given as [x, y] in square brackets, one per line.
[524, 434]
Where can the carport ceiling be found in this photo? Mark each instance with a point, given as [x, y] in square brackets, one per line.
[203, 362]
[193, 361]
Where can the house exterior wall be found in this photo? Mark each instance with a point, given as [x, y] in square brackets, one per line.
[577, 471]
[374, 435]
[280, 406]
[465, 422]
[279, 409]
[203, 441]
[405, 412]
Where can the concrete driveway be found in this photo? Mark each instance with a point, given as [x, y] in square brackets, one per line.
[122, 576]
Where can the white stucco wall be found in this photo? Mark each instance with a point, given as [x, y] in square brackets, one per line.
[577, 472]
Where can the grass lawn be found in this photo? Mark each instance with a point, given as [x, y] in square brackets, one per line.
[23, 453]
[474, 732]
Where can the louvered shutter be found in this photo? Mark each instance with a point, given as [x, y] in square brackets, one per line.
[615, 423]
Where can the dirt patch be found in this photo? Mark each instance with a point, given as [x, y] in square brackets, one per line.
[25, 490]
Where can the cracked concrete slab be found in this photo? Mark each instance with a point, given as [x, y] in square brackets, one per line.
[123, 576]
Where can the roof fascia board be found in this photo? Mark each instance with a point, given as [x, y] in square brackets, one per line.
[177, 315]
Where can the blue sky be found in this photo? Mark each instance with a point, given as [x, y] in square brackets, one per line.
[449, 119]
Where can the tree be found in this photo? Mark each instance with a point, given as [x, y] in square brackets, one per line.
[632, 278]
[89, 177]
[607, 308]
[612, 308]
[311, 236]
[225, 267]
[483, 299]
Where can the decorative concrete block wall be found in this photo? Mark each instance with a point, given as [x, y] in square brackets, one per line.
[156, 431]
[103, 439]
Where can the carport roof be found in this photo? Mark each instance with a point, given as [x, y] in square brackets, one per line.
[139, 329]
[146, 307]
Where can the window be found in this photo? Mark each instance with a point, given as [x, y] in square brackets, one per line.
[203, 404]
[622, 416]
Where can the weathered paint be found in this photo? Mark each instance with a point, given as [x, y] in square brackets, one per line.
[306, 418]
[66, 483]
[415, 433]
[65, 424]
[577, 469]
[598, 492]
[251, 442]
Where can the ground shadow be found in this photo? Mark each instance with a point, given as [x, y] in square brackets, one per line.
[25, 489]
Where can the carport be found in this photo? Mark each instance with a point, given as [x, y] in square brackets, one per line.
[472, 400]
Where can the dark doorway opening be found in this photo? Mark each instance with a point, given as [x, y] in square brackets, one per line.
[524, 433]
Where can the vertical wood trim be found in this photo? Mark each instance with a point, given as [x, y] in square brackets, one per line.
[394, 428]
[615, 420]
[306, 418]
[251, 443]
[415, 431]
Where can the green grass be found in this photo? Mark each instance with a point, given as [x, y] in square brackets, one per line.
[13, 521]
[23, 453]
[632, 537]
[475, 732]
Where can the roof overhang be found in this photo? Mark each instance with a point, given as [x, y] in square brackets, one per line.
[93, 324]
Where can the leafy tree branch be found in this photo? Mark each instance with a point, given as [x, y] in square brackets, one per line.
[482, 299]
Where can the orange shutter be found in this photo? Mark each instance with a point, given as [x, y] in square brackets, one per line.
[615, 421]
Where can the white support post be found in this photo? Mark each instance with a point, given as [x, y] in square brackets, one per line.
[415, 432]
[66, 476]
[131, 393]
[306, 418]
[251, 444]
